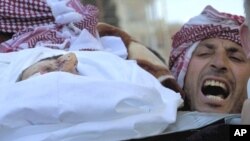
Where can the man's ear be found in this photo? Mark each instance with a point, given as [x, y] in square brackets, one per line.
[245, 39]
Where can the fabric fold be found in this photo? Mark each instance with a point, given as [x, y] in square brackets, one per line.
[91, 106]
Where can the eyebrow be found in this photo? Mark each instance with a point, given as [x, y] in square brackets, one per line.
[233, 49]
[208, 45]
[229, 48]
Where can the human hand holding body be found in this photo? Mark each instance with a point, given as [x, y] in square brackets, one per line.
[245, 114]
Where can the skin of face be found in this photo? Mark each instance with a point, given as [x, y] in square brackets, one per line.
[65, 63]
[217, 62]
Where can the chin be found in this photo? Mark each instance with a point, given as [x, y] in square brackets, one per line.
[214, 109]
[206, 108]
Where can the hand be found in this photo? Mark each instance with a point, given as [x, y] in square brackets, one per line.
[245, 114]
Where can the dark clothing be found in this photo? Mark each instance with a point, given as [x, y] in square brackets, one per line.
[216, 132]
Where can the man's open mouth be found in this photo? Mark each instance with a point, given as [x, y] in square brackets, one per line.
[215, 90]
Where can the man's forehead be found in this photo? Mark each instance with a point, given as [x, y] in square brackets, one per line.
[217, 40]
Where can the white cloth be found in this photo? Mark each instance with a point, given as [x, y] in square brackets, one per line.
[85, 40]
[113, 99]
[62, 12]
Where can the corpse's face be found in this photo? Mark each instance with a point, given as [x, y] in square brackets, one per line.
[216, 80]
[65, 63]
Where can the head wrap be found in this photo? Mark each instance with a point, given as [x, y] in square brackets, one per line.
[19, 14]
[34, 21]
[209, 24]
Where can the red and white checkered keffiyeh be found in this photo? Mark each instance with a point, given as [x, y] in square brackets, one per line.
[35, 21]
[19, 14]
[209, 24]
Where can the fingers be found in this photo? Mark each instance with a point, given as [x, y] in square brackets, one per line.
[245, 114]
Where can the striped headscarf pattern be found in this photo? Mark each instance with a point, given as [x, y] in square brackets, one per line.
[33, 21]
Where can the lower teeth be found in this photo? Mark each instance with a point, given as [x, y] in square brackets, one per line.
[218, 98]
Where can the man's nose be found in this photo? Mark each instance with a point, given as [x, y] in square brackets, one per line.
[68, 63]
[220, 63]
